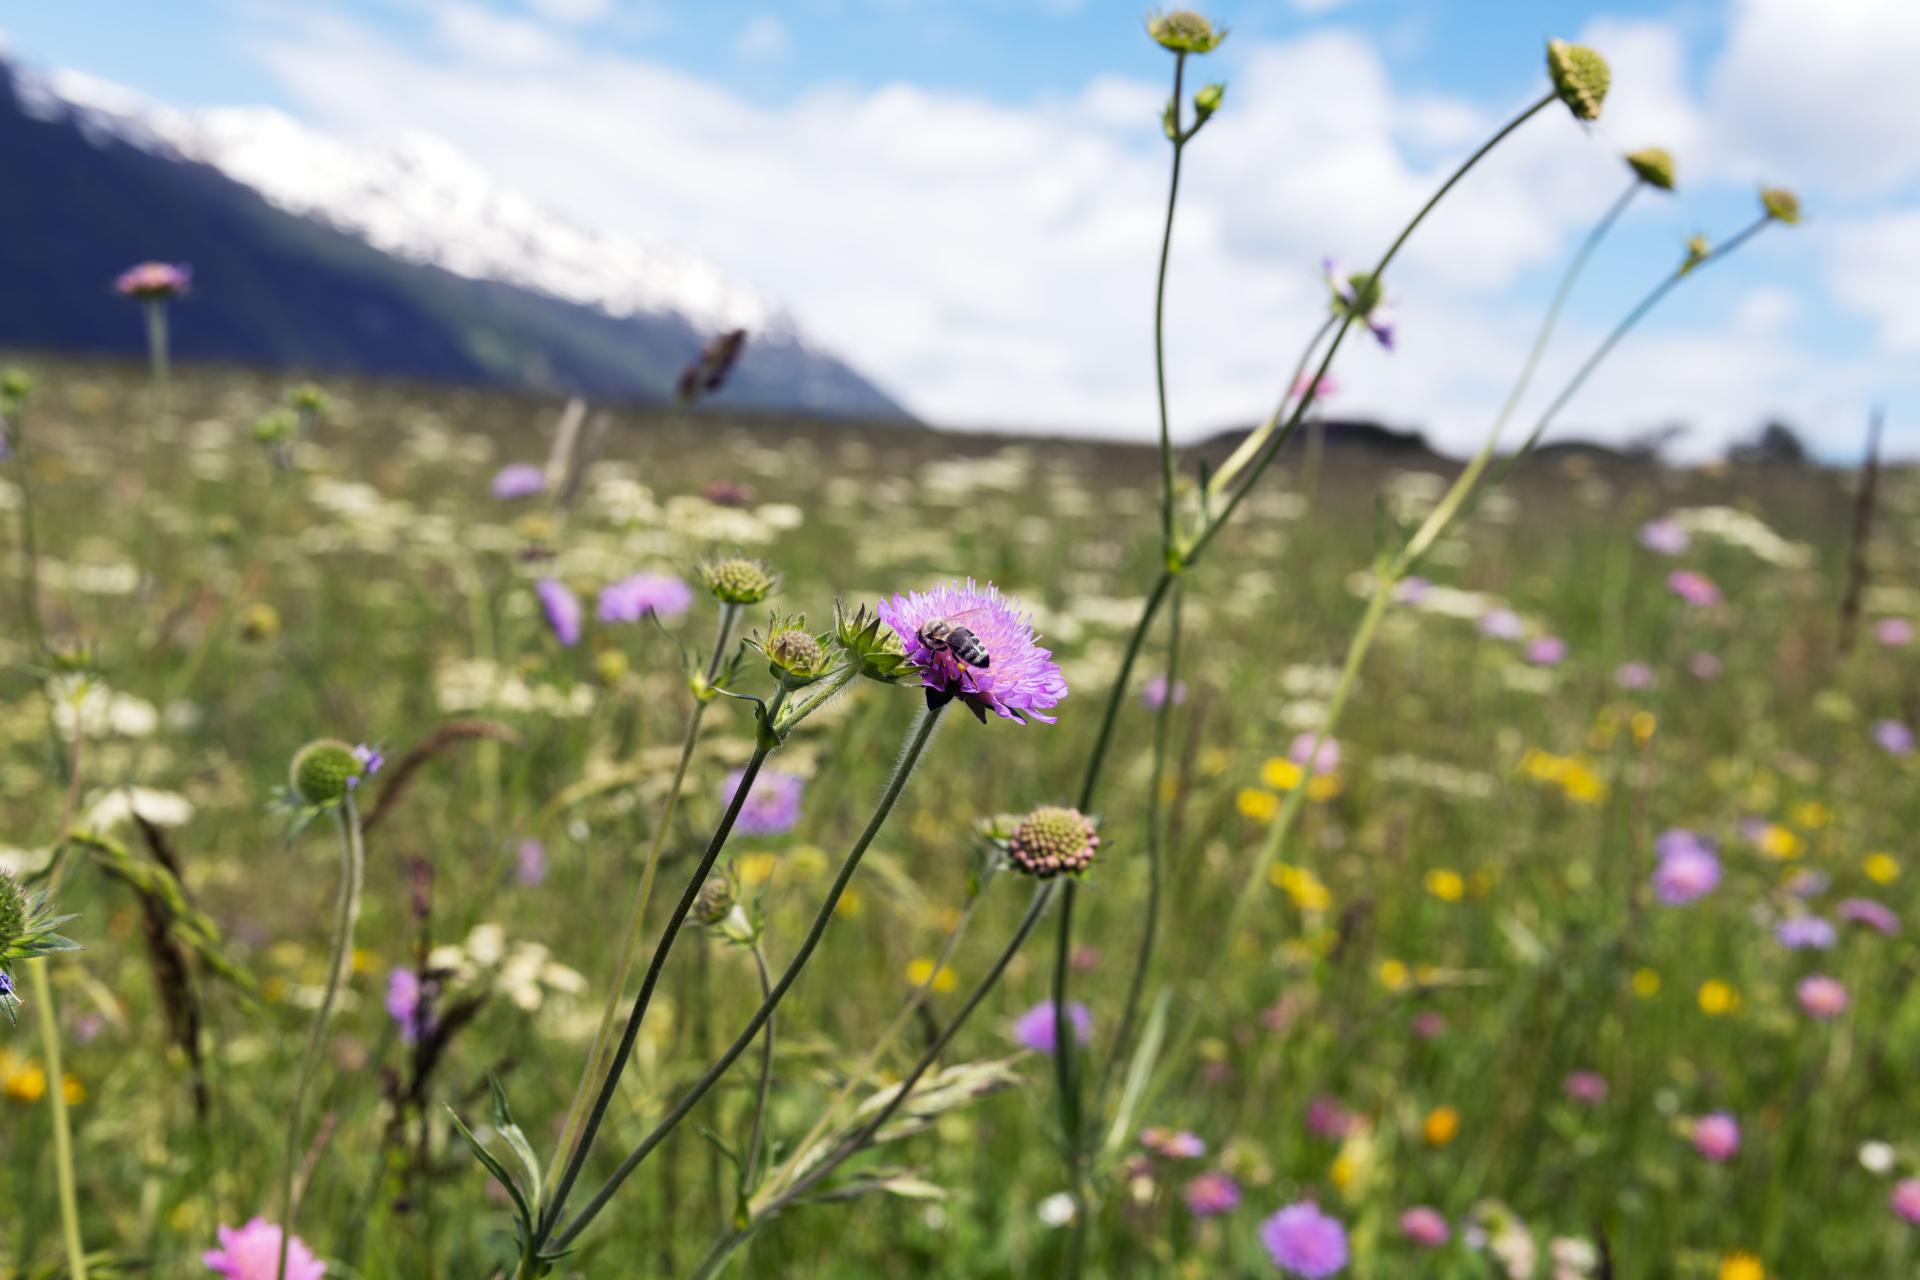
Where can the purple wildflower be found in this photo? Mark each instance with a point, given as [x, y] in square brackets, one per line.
[1695, 588]
[631, 599]
[1821, 997]
[518, 480]
[1874, 915]
[407, 1005]
[1502, 624]
[1717, 1137]
[370, 763]
[1895, 738]
[1589, 1087]
[530, 864]
[1304, 1241]
[1546, 651]
[1688, 869]
[1153, 695]
[1358, 295]
[252, 1252]
[1425, 1227]
[1429, 1024]
[1704, 666]
[562, 609]
[1904, 1199]
[1412, 590]
[1633, 675]
[154, 281]
[1211, 1194]
[1805, 933]
[1022, 681]
[6, 983]
[1326, 1118]
[1174, 1144]
[1893, 633]
[772, 808]
[1665, 537]
[1034, 1029]
[1325, 758]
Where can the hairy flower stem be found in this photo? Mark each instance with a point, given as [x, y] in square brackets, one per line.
[757, 1133]
[917, 739]
[617, 1064]
[1179, 141]
[62, 1129]
[642, 898]
[352, 873]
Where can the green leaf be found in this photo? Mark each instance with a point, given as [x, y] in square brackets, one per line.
[498, 1170]
[515, 1137]
[1140, 1070]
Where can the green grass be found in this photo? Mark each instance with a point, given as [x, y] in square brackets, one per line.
[389, 571]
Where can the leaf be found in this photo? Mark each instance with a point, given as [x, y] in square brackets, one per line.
[1146, 1053]
[514, 1136]
[498, 1170]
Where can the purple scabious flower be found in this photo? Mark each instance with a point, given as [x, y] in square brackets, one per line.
[407, 1005]
[1358, 295]
[1174, 1144]
[1895, 738]
[1695, 588]
[1704, 666]
[1424, 1226]
[772, 808]
[371, 762]
[530, 864]
[1502, 624]
[1904, 1199]
[6, 983]
[1322, 759]
[1211, 1194]
[518, 480]
[1805, 933]
[1034, 1029]
[1412, 590]
[1822, 997]
[154, 281]
[1665, 537]
[1326, 1118]
[631, 599]
[563, 610]
[1155, 693]
[1305, 1242]
[1546, 651]
[1633, 675]
[1874, 915]
[1589, 1087]
[1893, 633]
[1022, 681]
[1717, 1137]
[1688, 869]
[252, 1252]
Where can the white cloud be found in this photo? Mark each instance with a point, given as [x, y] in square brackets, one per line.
[1875, 266]
[763, 38]
[993, 263]
[1318, 6]
[572, 11]
[485, 36]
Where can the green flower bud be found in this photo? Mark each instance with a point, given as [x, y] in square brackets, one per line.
[1652, 166]
[1781, 205]
[13, 913]
[716, 900]
[324, 771]
[1698, 251]
[1184, 31]
[872, 644]
[738, 580]
[308, 398]
[1053, 840]
[260, 623]
[1207, 101]
[1580, 76]
[224, 530]
[15, 385]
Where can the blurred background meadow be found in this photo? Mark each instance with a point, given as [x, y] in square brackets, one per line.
[1540, 904]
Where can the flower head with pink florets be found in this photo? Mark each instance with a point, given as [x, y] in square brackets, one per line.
[1019, 681]
[252, 1252]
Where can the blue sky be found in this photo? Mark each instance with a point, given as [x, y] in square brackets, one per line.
[960, 195]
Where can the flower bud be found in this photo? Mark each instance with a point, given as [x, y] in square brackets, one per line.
[1580, 76]
[1780, 204]
[872, 644]
[14, 386]
[308, 398]
[1698, 251]
[1653, 166]
[223, 529]
[1207, 101]
[738, 580]
[260, 623]
[716, 899]
[13, 913]
[1184, 31]
[1053, 840]
[323, 772]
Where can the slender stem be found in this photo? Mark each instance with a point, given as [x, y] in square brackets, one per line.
[29, 543]
[758, 1130]
[917, 739]
[1248, 448]
[62, 1130]
[1156, 855]
[643, 896]
[1090, 781]
[1160, 310]
[617, 1066]
[352, 870]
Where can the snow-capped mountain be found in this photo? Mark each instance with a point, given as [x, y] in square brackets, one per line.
[407, 258]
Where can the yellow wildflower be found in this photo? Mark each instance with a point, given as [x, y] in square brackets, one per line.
[1441, 1127]
[1718, 998]
[1780, 843]
[1324, 787]
[1741, 1266]
[758, 868]
[1261, 806]
[1281, 773]
[1448, 886]
[1393, 974]
[921, 969]
[1644, 723]
[1881, 868]
[1646, 983]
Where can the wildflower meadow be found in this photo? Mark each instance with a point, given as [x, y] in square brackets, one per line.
[448, 832]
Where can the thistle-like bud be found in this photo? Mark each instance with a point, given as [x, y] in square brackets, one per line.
[1580, 76]
[1780, 204]
[1208, 100]
[27, 930]
[323, 772]
[1053, 841]
[717, 898]
[738, 580]
[308, 398]
[260, 623]
[1653, 166]
[1184, 31]
[13, 913]
[795, 656]
[872, 645]
[1698, 251]
[15, 386]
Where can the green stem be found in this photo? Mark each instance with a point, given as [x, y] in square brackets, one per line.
[62, 1129]
[352, 872]
[617, 1065]
[917, 739]
[1249, 448]
[643, 897]
[758, 1131]
[1159, 316]
[29, 543]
